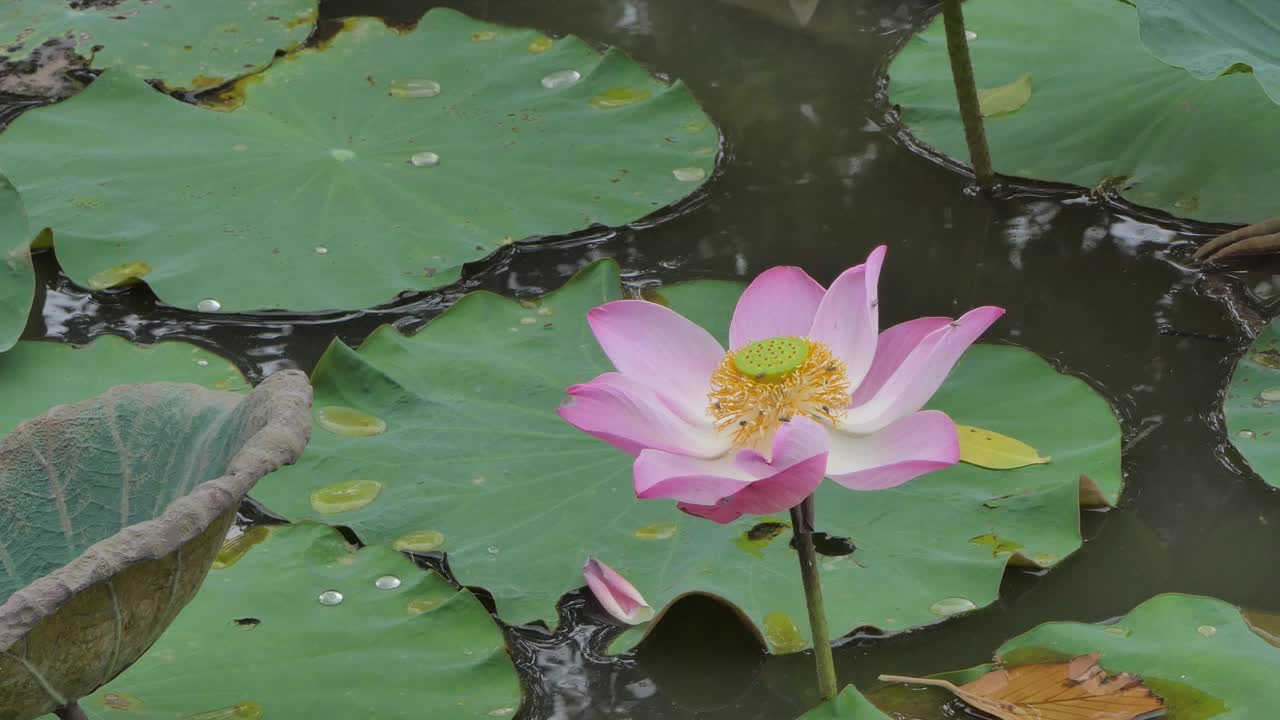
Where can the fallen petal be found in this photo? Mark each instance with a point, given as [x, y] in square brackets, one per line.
[617, 596]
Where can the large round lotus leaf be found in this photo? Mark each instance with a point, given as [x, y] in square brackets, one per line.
[1210, 37]
[257, 642]
[35, 376]
[183, 44]
[1103, 112]
[17, 275]
[450, 439]
[111, 511]
[1252, 401]
[1197, 653]
[337, 184]
[848, 705]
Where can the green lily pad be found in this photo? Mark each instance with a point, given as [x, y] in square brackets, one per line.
[1252, 403]
[1197, 653]
[185, 45]
[1210, 37]
[17, 274]
[257, 642]
[343, 178]
[35, 375]
[1112, 118]
[848, 705]
[112, 511]
[473, 456]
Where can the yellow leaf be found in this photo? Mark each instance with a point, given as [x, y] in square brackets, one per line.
[1005, 99]
[989, 449]
[1075, 690]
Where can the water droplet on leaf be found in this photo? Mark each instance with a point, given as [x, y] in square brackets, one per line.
[239, 147]
[345, 496]
[419, 541]
[970, 35]
[413, 88]
[387, 582]
[1118, 631]
[689, 174]
[202, 362]
[483, 35]
[1246, 434]
[424, 159]
[560, 78]
[493, 550]
[330, 597]
[343, 420]
[208, 305]
[342, 154]
[1207, 631]
[952, 606]
[321, 250]
[1270, 394]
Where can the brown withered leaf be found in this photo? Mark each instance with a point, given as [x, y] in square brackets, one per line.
[1076, 690]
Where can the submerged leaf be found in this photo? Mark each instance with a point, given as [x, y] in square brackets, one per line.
[990, 449]
[1006, 98]
[1076, 690]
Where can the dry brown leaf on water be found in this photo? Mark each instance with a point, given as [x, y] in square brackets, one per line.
[1076, 690]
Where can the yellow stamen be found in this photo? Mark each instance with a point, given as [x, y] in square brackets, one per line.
[753, 407]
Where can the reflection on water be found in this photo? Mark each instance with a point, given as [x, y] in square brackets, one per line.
[816, 175]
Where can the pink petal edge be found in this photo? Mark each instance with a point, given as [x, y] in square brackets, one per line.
[780, 302]
[848, 319]
[631, 417]
[905, 449]
[661, 349]
[918, 373]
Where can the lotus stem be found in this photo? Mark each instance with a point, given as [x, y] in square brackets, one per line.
[71, 711]
[967, 93]
[802, 528]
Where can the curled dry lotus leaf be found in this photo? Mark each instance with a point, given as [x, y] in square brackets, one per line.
[111, 512]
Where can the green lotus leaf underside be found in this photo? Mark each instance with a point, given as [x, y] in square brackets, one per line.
[451, 435]
[1197, 653]
[36, 375]
[1112, 118]
[111, 512]
[257, 642]
[343, 177]
[1252, 403]
[17, 274]
[1208, 38]
[185, 45]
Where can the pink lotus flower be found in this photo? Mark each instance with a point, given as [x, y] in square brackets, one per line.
[617, 596]
[809, 388]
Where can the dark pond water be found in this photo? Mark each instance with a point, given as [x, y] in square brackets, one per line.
[817, 174]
